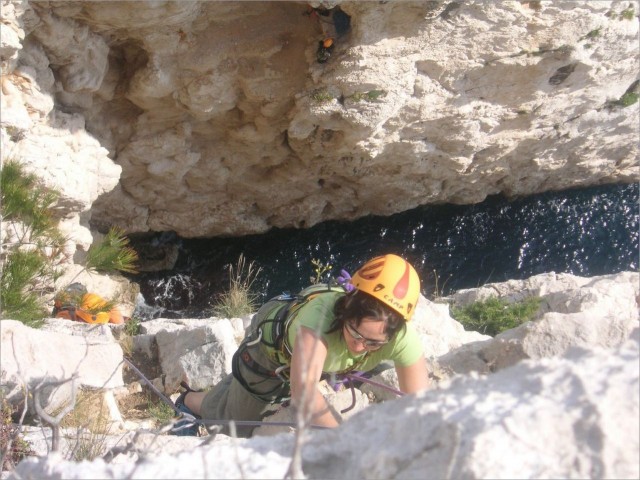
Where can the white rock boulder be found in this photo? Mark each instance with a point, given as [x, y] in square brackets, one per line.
[563, 417]
[575, 311]
[35, 359]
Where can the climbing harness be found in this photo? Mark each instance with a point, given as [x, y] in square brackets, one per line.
[276, 394]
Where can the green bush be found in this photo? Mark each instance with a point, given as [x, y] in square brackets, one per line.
[370, 96]
[132, 327]
[24, 199]
[321, 96]
[628, 99]
[160, 411]
[32, 245]
[112, 254]
[494, 315]
[19, 300]
[627, 14]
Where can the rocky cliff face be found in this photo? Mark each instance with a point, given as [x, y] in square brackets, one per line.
[213, 118]
[556, 397]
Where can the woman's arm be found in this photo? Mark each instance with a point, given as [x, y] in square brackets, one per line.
[309, 354]
[413, 378]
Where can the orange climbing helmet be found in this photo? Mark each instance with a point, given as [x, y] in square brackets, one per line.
[392, 280]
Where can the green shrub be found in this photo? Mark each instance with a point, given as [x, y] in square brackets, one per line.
[32, 244]
[33, 247]
[132, 327]
[112, 254]
[627, 14]
[18, 299]
[87, 427]
[24, 199]
[594, 33]
[370, 96]
[320, 270]
[160, 411]
[239, 299]
[321, 96]
[494, 315]
[628, 99]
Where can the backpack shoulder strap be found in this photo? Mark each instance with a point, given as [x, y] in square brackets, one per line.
[302, 298]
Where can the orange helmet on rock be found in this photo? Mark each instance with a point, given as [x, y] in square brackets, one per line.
[392, 280]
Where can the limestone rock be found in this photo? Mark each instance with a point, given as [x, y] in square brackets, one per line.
[215, 118]
[31, 356]
[199, 354]
[11, 34]
[439, 332]
[557, 417]
[563, 417]
[118, 448]
[598, 311]
[387, 378]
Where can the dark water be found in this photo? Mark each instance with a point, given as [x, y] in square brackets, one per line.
[586, 232]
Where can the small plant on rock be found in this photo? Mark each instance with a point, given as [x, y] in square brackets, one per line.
[320, 269]
[628, 14]
[628, 98]
[160, 411]
[132, 327]
[239, 299]
[594, 33]
[321, 96]
[370, 96]
[495, 315]
[125, 338]
[438, 292]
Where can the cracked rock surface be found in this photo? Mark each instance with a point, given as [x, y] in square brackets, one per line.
[216, 118]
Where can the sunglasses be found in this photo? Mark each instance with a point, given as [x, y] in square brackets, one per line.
[368, 344]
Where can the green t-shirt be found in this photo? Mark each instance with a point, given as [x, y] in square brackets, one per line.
[317, 314]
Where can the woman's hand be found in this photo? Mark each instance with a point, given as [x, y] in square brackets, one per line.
[307, 360]
[413, 378]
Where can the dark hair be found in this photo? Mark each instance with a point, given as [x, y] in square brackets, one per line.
[357, 305]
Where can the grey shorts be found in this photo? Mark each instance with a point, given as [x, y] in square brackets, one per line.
[245, 394]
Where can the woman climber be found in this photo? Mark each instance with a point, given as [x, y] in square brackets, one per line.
[325, 330]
